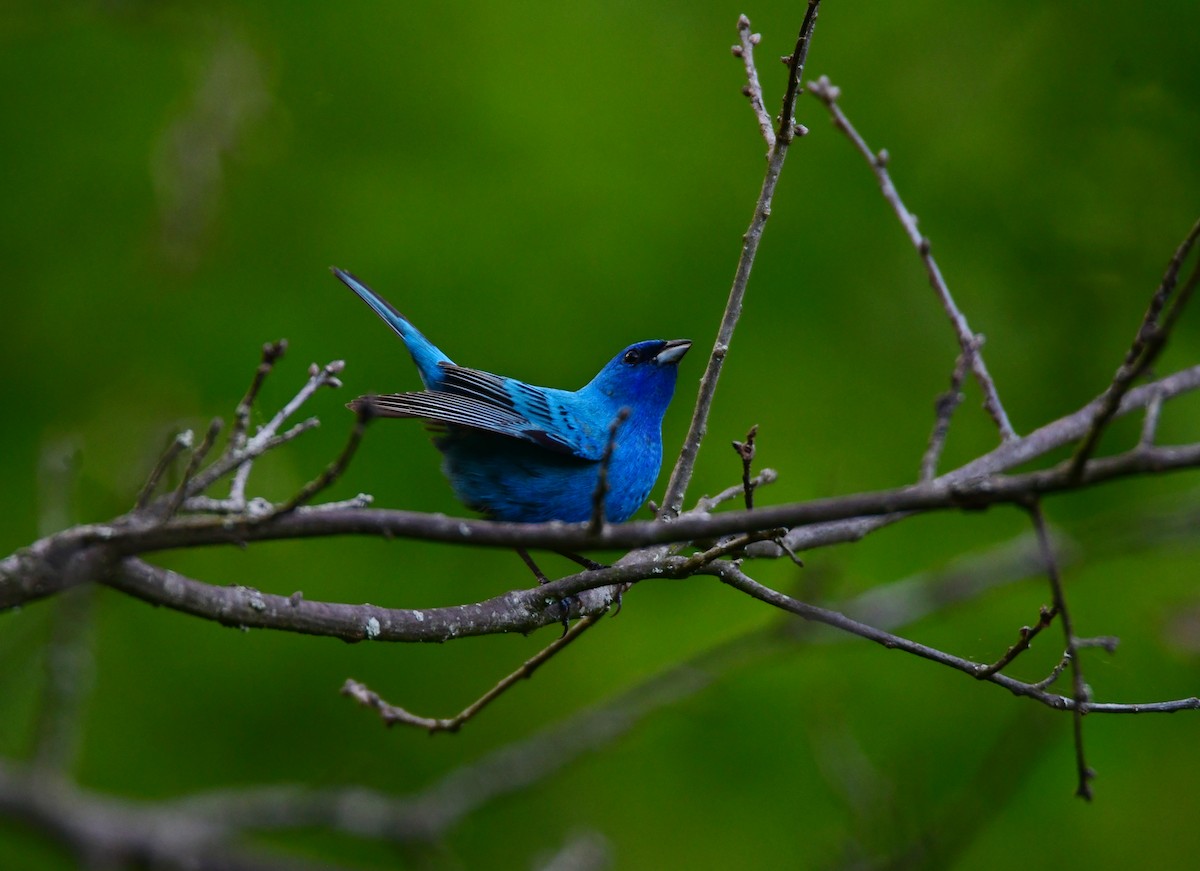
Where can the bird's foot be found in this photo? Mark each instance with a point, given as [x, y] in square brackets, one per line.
[620, 599]
[562, 606]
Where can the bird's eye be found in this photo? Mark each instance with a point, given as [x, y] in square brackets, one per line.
[632, 356]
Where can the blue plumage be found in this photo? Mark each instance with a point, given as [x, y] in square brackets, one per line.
[517, 452]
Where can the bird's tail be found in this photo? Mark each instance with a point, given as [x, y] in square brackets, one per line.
[425, 354]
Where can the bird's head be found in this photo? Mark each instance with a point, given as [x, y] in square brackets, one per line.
[642, 376]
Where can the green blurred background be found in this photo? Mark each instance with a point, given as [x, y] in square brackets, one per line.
[536, 186]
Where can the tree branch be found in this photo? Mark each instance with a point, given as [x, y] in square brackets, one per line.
[828, 94]
[681, 474]
[1149, 342]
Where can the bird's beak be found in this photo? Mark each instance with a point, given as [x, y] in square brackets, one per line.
[672, 352]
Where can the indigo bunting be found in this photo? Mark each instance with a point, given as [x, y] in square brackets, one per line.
[513, 451]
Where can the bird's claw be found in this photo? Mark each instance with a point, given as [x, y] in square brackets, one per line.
[620, 599]
[564, 607]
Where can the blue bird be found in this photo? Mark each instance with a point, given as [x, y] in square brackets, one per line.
[517, 452]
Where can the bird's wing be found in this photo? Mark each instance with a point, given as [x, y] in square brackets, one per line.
[483, 401]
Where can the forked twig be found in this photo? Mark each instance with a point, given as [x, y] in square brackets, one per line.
[364, 414]
[238, 458]
[193, 466]
[392, 714]
[752, 89]
[272, 352]
[1149, 342]
[179, 444]
[706, 504]
[1025, 637]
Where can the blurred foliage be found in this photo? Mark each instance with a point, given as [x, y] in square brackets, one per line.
[535, 187]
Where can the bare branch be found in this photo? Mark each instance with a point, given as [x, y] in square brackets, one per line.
[178, 445]
[944, 408]
[392, 714]
[238, 458]
[194, 462]
[745, 452]
[1055, 673]
[706, 504]
[1006, 456]
[272, 352]
[954, 491]
[753, 90]
[1150, 422]
[1149, 342]
[681, 474]
[1024, 641]
[365, 413]
[86, 553]
[828, 94]
[1081, 695]
[734, 577]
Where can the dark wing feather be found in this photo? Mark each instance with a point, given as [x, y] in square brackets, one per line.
[553, 417]
[487, 402]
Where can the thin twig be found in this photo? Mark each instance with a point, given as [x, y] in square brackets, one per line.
[267, 437]
[1025, 638]
[318, 377]
[753, 90]
[85, 553]
[732, 575]
[194, 462]
[1150, 422]
[705, 504]
[1055, 673]
[733, 544]
[271, 354]
[828, 94]
[681, 474]
[953, 491]
[1149, 342]
[745, 452]
[392, 714]
[1081, 694]
[365, 413]
[601, 491]
[179, 444]
[944, 409]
